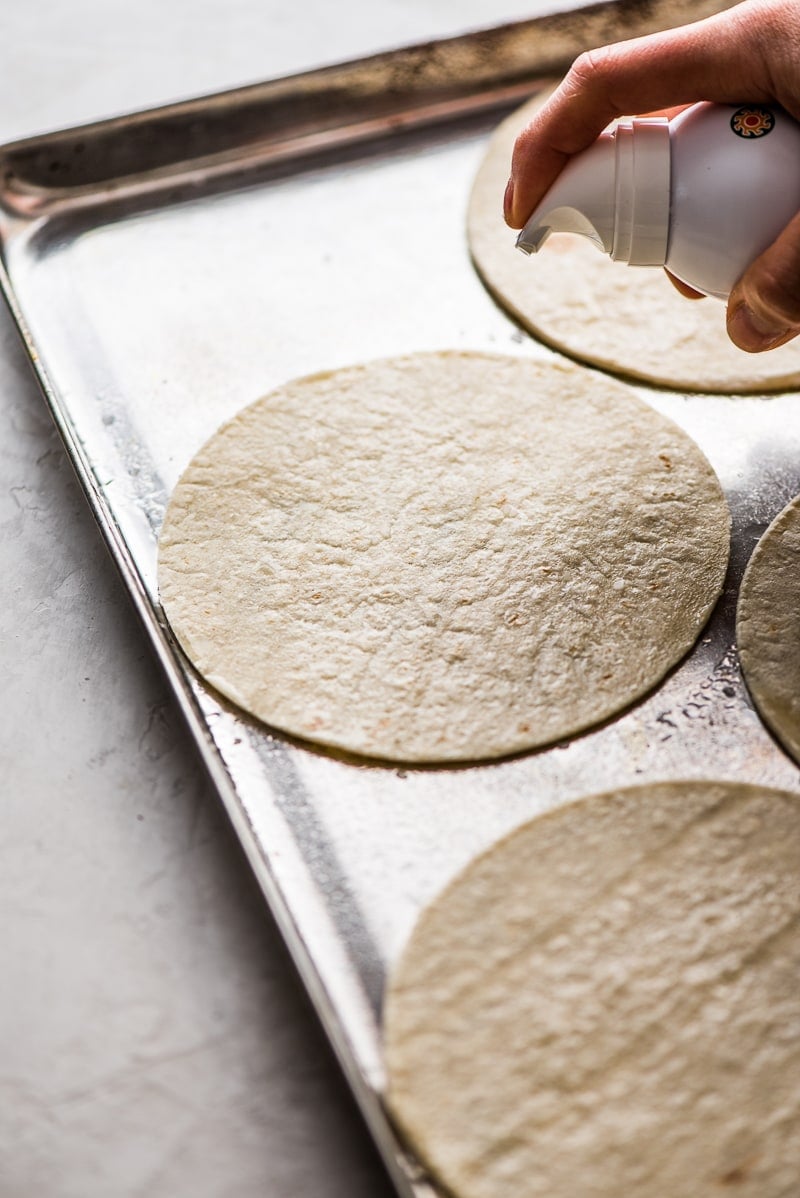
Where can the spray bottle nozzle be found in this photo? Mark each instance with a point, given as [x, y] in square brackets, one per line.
[616, 193]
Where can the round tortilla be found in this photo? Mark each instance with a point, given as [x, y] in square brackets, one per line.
[606, 1004]
[442, 557]
[629, 320]
[768, 627]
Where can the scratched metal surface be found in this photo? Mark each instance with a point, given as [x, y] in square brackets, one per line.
[158, 299]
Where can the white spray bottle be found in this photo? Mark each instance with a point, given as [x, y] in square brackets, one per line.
[703, 194]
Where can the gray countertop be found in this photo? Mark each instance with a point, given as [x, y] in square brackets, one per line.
[155, 1040]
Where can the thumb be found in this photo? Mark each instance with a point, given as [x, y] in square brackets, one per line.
[764, 306]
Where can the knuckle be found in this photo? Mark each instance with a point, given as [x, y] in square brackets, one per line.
[778, 295]
[589, 72]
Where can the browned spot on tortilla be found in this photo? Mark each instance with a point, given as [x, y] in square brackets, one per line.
[739, 1173]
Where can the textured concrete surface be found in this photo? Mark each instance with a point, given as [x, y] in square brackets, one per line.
[154, 1039]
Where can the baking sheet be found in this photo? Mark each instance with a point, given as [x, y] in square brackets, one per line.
[167, 268]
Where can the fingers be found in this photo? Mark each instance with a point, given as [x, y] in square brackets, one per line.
[683, 288]
[669, 113]
[764, 306]
[712, 59]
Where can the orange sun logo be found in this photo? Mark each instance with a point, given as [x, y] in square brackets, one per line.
[752, 122]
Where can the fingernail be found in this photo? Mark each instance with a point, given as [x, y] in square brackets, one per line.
[508, 200]
[751, 333]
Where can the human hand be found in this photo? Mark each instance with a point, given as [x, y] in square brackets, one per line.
[747, 54]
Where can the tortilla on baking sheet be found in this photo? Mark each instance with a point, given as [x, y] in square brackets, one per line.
[768, 627]
[606, 1004]
[442, 557]
[626, 319]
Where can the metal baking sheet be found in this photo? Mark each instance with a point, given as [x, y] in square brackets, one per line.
[168, 267]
